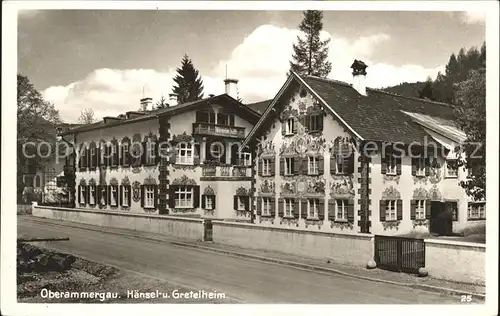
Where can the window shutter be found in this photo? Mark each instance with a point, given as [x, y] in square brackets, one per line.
[196, 196]
[398, 166]
[231, 120]
[383, 164]
[296, 208]
[98, 194]
[382, 210]
[296, 165]
[109, 155]
[171, 196]
[155, 196]
[272, 166]
[427, 167]
[79, 194]
[350, 210]
[399, 209]
[428, 205]
[320, 122]
[331, 209]
[349, 162]
[235, 202]
[321, 209]
[294, 127]
[306, 122]
[144, 152]
[283, 128]
[305, 165]
[321, 164]
[303, 209]
[142, 195]
[203, 204]
[281, 207]
[87, 155]
[129, 195]
[109, 192]
[282, 166]
[247, 203]
[121, 195]
[196, 159]
[259, 206]
[333, 163]
[414, 166]
[87, 194]
[173, 154]
[214, 198]
[272, 207]
[413, 209]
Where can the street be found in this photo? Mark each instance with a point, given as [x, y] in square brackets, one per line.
[249, 281]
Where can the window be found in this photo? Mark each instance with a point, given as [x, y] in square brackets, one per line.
[82, 194]
[266, 206]
[420, 166]
[476, 210]
[451, 168]
[289, 166]
[391, 164]
[222, 119]
[125, 195]
[185, 156]
[289, 126]
[150, 155]
[114, 195]
[149, 196]
[113, 155]
[340, 165]
[420, 209]
[103, 195]
[315, 122]
[313, 165]
[184, 197]
[390, 210]
[211, 117]
[217, 151]
[341, 214]
[288, 207]
[92, 157]
[312, 208]
[92, 195]
[247, 159]
[209, 202]
[241, 203]
[125, 148]
[452, 207]
[266, 167]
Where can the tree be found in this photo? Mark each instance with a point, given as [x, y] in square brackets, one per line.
[36, 122]
[310, 55]
[162, 103]
[471, 118]
[87, 116]
[188, 84]
[427, 92]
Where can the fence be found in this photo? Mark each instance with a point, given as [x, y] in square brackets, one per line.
[399, 253]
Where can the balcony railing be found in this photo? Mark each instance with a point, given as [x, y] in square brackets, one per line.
[226, 171]
[218, 130]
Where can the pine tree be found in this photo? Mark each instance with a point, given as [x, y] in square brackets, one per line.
[310, 55]
[427, 91]
[188, 84]
[162, 103]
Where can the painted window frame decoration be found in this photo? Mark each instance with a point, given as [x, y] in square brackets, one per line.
[82, 192]
[313, 165]
[208, 199]
[149, 194]
[342, 156]
[390, 197]
[181, 186]
[92, 187]
[242, 196]
[451, 168]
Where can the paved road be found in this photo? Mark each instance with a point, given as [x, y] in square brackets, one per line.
[247, 280]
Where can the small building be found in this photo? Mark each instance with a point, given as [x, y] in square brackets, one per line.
[334, 156]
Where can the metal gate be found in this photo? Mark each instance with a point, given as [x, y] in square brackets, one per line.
[399, 253]
[207, 230]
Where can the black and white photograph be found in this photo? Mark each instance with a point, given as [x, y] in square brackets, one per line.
[249, 157]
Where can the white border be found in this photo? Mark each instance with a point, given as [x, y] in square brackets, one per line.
[8, 223]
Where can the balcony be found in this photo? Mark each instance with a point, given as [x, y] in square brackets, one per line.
[228, 173]
[218, 130]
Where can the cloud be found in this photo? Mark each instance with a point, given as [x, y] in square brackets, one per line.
[471, 17]
[260, 62]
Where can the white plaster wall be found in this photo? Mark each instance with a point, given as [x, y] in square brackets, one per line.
[467, 260]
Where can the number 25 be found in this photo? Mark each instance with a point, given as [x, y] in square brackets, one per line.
[466, 298]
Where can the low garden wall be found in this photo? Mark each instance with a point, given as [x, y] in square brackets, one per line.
[181, 227]
[455, 261]
[354, 249]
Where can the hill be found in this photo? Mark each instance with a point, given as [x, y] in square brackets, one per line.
[406, 89]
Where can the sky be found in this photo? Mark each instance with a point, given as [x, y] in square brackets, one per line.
[108, 59]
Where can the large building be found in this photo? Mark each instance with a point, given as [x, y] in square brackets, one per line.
[321, 155]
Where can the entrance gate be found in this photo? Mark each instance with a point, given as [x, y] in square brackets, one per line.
[400, 254]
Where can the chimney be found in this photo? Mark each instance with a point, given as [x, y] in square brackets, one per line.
[172, 99]
[146, 104]
[359, 76]
[231, 87]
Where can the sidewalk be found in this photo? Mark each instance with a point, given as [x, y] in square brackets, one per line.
[376, 275]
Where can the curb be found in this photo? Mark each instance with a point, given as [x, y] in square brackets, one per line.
[42, 239]
[330, 270]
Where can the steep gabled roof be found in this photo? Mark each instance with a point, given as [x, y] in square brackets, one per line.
[223, 99]
[379, 116]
